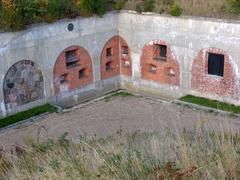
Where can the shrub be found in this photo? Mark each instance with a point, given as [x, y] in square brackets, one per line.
[175, 9]
[145, 6]
[148, 5]
[92, 6]
[57, 9]
[235, 5]
[119, 4]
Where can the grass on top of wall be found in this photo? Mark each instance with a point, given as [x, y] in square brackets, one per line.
[47, 108]
[211, 103]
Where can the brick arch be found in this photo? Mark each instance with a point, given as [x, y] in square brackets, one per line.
[23, 83]
[73, 69]
[165, 69]
[115, 58]
[203, 82]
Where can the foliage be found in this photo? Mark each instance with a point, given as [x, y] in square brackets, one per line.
[26, 115]
[92, 6]
[119, 4]
[175, 9]
[145, 6]
[139, 155]
[211, 103]
[235, 4]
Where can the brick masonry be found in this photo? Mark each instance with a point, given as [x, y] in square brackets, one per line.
[23, 84]
[165, 71]
[115, 58]
[203, 82]
[68, 78]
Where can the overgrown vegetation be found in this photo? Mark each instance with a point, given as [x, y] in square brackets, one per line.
[17, 14]
[169, 155]
[47, 108]
[211, 103]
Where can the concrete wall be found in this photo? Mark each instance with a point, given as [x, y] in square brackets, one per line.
[186, 37]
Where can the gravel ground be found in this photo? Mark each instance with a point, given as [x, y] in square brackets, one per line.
[103, 118]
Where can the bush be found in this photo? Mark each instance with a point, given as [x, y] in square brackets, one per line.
[94, 7]
[119, 4]
[145, 6]
[175, 10]
[57, 9]
[235, 5]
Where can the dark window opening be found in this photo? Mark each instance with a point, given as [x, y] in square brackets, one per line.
[124, 50]
[71, 58]
[63, 78]
[160, 52]
[152, 69]
[215, 64]
[109, 52]
[109, 66]
[82, 73]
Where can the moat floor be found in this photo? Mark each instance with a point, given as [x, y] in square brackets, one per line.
[107, 117]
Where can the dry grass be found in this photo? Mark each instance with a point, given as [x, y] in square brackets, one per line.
[194, 155]
[204, 8]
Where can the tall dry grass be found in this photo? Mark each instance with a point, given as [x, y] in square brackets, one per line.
[140, 155]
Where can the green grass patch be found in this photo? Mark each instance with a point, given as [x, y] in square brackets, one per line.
[211, 103]
[47, 108]
[118, 94]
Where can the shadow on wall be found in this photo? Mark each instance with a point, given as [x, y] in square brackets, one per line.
[116, 58]
[73, 69]
[159, 64]
[212, 72]
[23, 84]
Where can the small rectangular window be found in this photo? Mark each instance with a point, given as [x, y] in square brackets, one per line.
[109, 52]
[63, 78]
[82, 73]
[108, 66]
[215, 64]
[152, 69]
[124, 50]
[71, 58]
[160, 52]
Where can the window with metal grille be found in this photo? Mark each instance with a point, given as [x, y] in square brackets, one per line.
[160, 52]
[215, 64]
[71, 58]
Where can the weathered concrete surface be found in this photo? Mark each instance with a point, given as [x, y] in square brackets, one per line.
[185, 36]
[107, 117]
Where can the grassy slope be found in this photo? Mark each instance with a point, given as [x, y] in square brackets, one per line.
[27, 114]
[165, 155]
[211, 103]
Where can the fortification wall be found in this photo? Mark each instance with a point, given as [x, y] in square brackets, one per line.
[50, 63]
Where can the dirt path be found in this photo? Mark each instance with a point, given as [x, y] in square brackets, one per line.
[104, 118]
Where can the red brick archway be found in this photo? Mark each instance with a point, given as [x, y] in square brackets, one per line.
[73, 69]
[202, 81]
[158, 63]
[115, 58]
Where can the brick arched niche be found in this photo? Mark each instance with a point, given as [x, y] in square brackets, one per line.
[212, 72]
[158, 63]
[115, 58]
[23, 84]
[73, 69]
